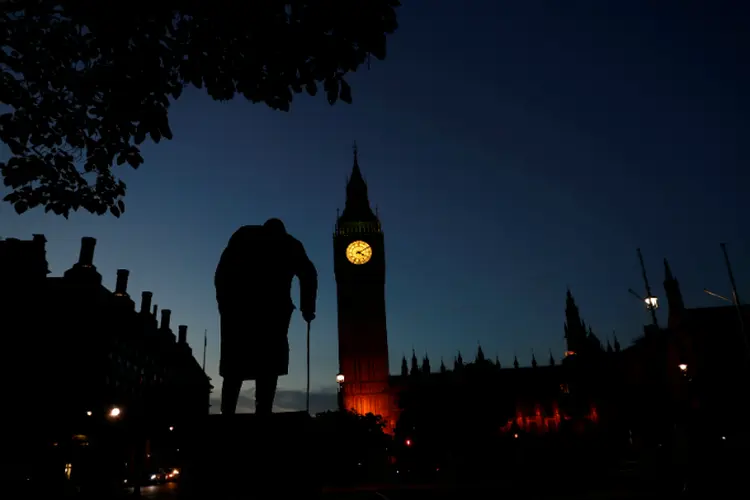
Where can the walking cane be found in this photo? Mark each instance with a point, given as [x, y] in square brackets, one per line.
[307, 394]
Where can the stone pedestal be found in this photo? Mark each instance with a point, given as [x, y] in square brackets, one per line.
[250, 456]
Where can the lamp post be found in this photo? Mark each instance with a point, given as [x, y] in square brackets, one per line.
[340, 391]
[651, 302]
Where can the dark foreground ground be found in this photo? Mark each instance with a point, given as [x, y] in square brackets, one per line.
[416, 492]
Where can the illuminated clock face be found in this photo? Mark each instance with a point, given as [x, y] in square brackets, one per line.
[358, 252]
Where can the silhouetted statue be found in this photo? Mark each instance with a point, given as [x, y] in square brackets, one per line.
[253, 290]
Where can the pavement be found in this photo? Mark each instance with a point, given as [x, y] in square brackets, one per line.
[166, 491]
[417, 492]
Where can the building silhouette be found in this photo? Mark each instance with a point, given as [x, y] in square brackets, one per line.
[78, 351]
[366, 383]
[534, 398]
[639, 388]
[359, 266]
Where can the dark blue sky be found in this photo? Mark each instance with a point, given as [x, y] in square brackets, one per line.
[513, 149]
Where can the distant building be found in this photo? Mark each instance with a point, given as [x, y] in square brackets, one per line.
[364, 375]
[699, 361]
[537, 399]
[359, 267]
[78, 351]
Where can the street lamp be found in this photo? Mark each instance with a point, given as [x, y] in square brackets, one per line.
[652, 303]
[682, 367]
[340, 393]
[114, 412]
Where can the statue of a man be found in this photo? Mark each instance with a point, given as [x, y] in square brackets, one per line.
[253, 290]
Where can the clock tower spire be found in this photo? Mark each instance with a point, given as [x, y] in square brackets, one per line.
[357, 208]
[359, 267]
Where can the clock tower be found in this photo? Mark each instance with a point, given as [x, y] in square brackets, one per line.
[359, 266]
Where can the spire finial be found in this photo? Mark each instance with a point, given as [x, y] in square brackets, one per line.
[667, 271]
[354, 148]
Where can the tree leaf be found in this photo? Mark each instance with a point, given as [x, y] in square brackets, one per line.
[155, 135]
[331, 86]
[123, 71]
[20, 207]
[345, 94]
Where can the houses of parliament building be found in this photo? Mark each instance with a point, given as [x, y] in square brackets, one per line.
[697, 363]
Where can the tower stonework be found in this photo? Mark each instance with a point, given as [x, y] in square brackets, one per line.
[359, 267]
[575, 329]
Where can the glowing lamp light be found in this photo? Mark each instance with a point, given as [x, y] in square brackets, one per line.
[114, 412]
[171, 428]
[340, 378]
[408, 442]
[89, 413]
[652, 303]
[682, 367]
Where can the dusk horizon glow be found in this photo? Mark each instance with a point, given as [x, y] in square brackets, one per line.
[532, 150]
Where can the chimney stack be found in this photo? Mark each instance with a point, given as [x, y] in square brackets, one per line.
[165, 315]
[121, 287]
[146, 302]
[182, 334]
[86, 257]
[156, 310]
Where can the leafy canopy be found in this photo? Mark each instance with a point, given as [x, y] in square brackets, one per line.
[87, 81]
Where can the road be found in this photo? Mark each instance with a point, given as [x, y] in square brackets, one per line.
[168, 492]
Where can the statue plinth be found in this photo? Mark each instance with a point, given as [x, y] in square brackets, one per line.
[245, 455]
